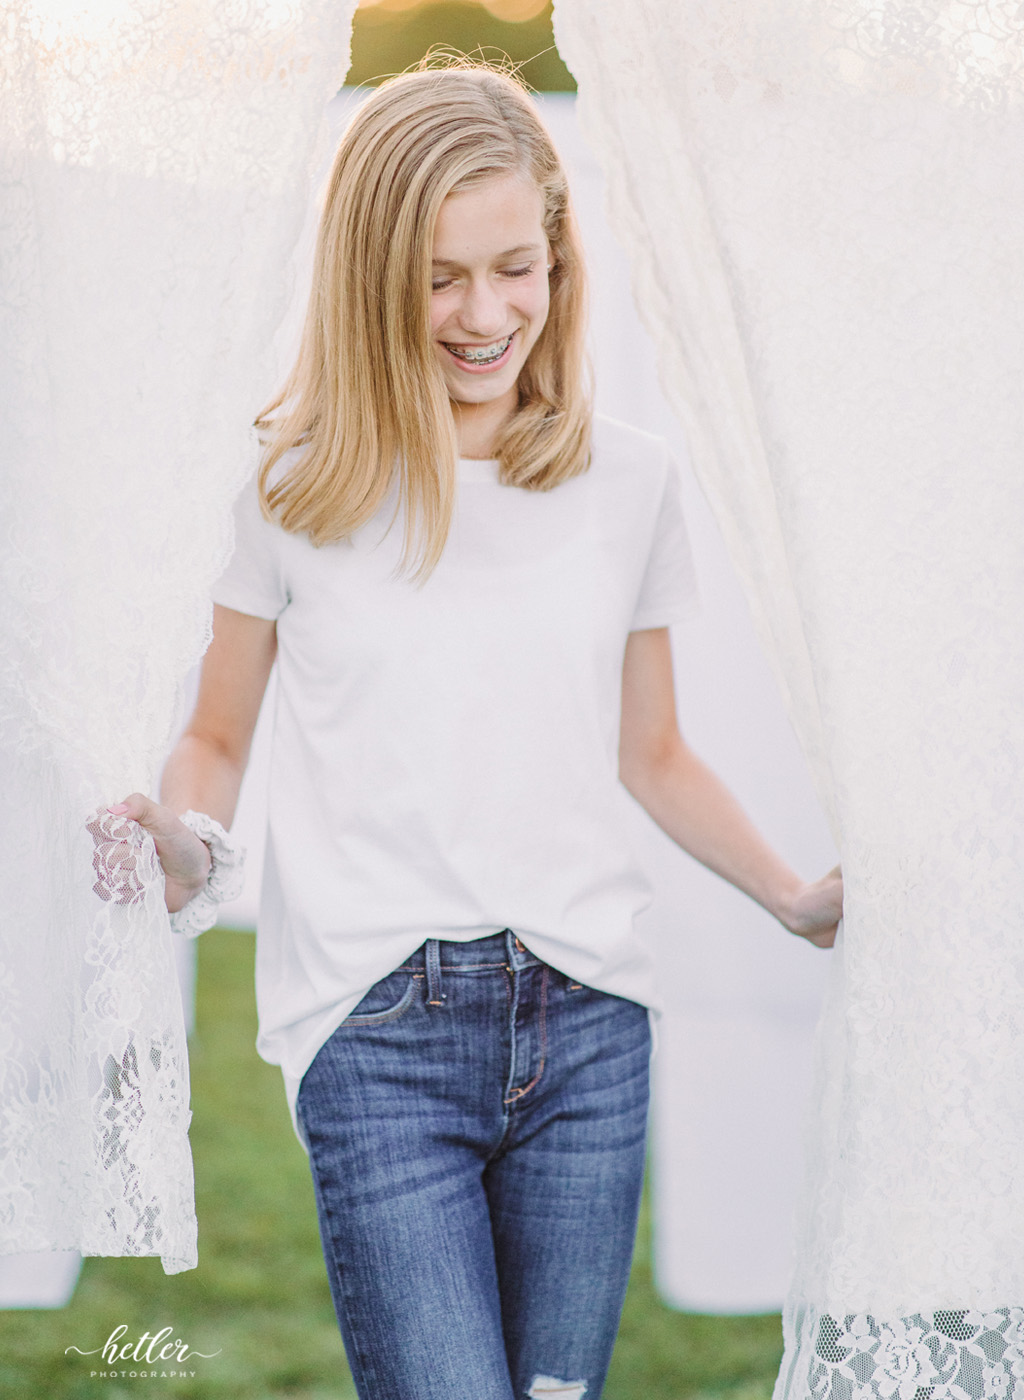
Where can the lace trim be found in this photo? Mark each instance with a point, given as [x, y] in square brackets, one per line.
[953, 1354]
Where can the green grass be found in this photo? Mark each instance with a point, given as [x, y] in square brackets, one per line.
[260, 1295]
[389, 41]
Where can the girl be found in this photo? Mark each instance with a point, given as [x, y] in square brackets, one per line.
[465, 581]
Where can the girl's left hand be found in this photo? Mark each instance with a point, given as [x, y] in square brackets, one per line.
[815, 910]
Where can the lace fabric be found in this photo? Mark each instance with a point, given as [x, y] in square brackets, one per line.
[951, 1354]
[821, 205]
[155, 163]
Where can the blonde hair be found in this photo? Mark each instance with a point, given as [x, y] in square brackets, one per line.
[366, 397]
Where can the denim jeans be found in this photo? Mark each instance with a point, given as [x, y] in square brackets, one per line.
[476, 1133]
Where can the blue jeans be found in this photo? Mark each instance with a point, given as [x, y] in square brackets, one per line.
[476, 1133]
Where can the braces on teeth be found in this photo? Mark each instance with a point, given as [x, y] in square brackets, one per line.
[483, 355]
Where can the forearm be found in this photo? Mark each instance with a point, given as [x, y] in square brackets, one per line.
[203, 777]
[204, 772]
[695, 808]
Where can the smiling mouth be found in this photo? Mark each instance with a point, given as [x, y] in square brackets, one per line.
[480, 354]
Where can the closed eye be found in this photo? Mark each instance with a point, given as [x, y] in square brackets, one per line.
[442, 283]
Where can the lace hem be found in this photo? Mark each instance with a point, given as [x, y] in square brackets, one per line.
[949, 1354]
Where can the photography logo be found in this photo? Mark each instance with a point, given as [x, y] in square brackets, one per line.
[155, 1354]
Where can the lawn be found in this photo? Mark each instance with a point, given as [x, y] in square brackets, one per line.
[259, 1298]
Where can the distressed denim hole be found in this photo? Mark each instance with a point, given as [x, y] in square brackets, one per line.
[550, 1388]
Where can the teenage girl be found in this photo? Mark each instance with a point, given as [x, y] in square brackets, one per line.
[465, 580]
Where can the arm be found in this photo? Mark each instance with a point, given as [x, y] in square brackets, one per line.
[206, 766]
[205, 769]
[695, 808]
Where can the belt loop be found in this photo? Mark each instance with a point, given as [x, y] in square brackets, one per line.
[435, 996]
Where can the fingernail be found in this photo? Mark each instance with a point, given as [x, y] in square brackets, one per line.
[118, 809]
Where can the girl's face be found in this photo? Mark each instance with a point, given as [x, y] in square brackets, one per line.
[489, 297]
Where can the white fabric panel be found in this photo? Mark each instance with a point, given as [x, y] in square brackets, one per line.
[731, 1088]
[155, 169]
[725, 1185]
[39, 1280]
[822, 206]
[728, 973]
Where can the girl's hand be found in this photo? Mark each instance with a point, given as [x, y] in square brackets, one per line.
[184, 858]
[814, 911]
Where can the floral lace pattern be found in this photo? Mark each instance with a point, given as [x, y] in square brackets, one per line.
[155, 168]
[956, 1354]
[117, 859]
[821, 204]
[962, 52]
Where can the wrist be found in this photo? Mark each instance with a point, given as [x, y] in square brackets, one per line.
[178, 893]
[783, 904]
[223, 880]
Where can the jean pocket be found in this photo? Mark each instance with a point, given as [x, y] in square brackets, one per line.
[379, 1005]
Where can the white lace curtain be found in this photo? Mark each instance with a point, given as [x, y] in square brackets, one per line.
[823, 204]
[154, 162]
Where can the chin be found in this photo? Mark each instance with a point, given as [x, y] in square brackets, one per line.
[481, 389]
[458, 394]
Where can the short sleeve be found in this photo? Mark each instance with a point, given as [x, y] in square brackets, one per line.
[668, 592]
[253, 582]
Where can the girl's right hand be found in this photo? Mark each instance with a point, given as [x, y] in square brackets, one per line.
[184, 858]
[815, 910]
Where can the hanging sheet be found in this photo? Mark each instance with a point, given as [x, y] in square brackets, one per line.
[823, 207]
[154, 163]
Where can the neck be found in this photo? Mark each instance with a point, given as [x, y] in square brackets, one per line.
[478, 425]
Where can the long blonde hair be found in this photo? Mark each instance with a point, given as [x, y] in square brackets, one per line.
[366, 397]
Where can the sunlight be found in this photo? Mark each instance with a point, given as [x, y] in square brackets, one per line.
[512, 11]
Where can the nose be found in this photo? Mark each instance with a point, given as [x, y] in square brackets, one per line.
[483, 311]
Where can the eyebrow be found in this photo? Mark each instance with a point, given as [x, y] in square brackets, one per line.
[523, 248]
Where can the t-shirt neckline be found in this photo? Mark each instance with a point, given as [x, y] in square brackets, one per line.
[478, 468]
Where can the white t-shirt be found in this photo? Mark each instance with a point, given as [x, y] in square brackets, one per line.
[444, 758]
